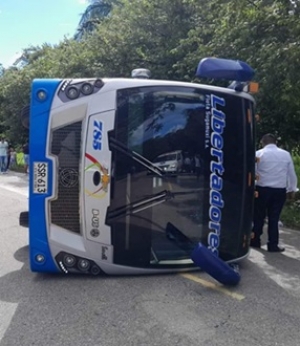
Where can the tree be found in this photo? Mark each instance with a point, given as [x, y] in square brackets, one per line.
[1, 70]
[93, 15]
[170, 37]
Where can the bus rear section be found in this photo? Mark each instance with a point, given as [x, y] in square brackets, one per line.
[103, 199]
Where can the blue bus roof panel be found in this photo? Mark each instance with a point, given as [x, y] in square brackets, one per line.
[225, 69]
[39, 119]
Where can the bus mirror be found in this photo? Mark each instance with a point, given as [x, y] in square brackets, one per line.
[257, 117]
[225, 69]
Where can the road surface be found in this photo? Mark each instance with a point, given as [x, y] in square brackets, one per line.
[189, 309]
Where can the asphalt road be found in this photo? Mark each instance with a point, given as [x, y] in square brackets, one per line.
[164, 310]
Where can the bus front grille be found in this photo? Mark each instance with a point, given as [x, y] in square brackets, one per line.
[66, 146]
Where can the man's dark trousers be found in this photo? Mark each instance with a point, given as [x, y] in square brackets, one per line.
[269, 202]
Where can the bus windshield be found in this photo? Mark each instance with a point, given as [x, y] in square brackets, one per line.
[155, 217]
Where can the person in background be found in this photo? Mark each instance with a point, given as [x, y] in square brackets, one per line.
[276, 177]
[187, 164]
[26, 157]
[11, 157]
[8, 158]
[3, 155]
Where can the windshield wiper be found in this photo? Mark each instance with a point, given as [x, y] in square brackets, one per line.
[114, 144]
[138, 206]
[145, 203]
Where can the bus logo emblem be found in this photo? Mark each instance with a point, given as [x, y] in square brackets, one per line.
[104, 253]
[69, 177]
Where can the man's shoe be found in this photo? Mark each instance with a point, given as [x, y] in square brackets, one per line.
[276, 249]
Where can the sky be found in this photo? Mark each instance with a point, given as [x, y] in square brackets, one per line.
[33, 22]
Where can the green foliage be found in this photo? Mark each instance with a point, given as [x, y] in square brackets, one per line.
[97, 11]
[290, 215]
[291, 212]
[170, 37]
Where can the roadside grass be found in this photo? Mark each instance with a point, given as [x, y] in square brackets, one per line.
[290, 215]
[18, 166]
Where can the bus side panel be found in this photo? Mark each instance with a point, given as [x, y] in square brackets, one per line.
[226, 170]
[41, 180]
[249, 178]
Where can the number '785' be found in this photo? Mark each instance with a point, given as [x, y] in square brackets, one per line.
[97, 135]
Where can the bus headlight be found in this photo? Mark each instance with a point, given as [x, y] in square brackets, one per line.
[95, 270]
[87, 89]
[70, 264]
[84, 264]
[98, 83]
[72, 93]
[69, 260]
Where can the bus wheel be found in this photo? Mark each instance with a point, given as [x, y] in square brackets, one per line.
[24, 219]
[25, 116]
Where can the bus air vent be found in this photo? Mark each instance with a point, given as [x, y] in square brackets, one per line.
[66, 146]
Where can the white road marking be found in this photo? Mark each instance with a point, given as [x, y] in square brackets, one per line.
[7, 183]
[291, 252]
[20, 191]
[284, 280]
[7, 308]
[7, 311]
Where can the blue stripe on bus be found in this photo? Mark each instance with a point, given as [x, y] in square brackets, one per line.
[39, 122]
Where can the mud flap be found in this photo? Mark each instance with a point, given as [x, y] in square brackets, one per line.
[221, 271]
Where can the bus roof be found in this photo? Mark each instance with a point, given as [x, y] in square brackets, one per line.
[123, 83]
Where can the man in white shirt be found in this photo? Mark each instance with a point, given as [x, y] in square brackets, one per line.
[3, 155]
[276, 177]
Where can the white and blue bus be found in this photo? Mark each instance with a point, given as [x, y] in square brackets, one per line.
[99, 202]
